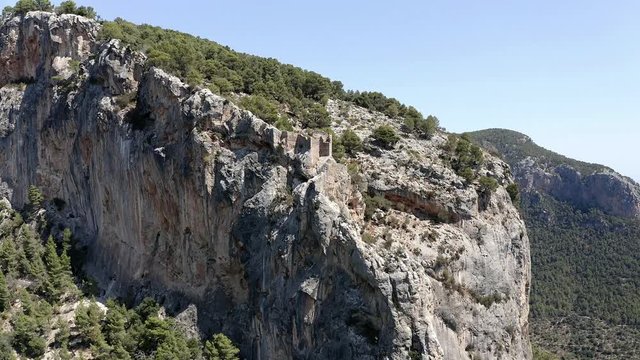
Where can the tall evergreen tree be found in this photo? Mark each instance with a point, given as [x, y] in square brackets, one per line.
[88, 320]
[5, 295]
[65, 259]
[55, 283]
[9, 255]
[220, 347]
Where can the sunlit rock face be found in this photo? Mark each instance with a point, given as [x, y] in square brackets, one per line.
[178, 194]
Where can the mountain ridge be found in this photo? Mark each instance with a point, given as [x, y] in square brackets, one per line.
[584, 253]
[176, 193]
[583, 184]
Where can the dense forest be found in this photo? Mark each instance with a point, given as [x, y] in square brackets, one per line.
[585, 272]
[47, 306]
[584, 291]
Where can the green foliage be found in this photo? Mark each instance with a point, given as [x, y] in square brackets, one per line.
[70, 7]
[119, 334]
[5, 295]
[513, 191]
[541, 354]
[351, 142]
[427, 127]
[88, 322]
[9, 255]
[487, 184]
[465, 157]
[6, 350]
[24, 6]
[7, 11]
[373, 203]
[283, 124]
[202, 62]
[220, 347]
[514, 147]
[379, 102]
[28, 337]
[54, 271]
[63, 334]
[586, 262]
[115, 322]
[261, 107]
[337, 149]
[316, 117]
[585, 265]
[66, 7]
[385, 135]
[35, 197]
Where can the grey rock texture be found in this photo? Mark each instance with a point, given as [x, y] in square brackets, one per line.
[580, 184]
[247, 230]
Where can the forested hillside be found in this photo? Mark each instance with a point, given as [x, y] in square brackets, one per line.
[585, 292]
[47, 306]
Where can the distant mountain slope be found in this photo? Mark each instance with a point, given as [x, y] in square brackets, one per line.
[585, 186]
[585, 249]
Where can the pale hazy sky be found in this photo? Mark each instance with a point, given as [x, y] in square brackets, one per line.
[567, 73]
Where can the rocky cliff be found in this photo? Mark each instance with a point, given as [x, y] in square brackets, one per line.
[177, 193]
[581, 184]
[583, 222]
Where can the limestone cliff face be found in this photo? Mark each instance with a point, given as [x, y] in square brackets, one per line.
[580, 184]
[179, 194]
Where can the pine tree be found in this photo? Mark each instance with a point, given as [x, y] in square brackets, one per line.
[66, 239]
[35, 197]
[54, 285]
[5, 295]
[63, 334]
[65, 259]
[6, 350]
[28, 338]
[88, 320]
[9, 255]
[114, 327]
[220, 347]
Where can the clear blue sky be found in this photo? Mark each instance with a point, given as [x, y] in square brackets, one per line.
[567, 73]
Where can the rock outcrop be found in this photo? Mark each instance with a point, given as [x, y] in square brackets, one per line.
[179, 194]
[580, 184]
[584, 223]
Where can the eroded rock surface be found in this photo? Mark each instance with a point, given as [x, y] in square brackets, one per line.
[583, 185]
[179, 194]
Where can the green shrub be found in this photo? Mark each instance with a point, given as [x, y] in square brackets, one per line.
[464, 157]
[488, 184]
[24, 6]
[283, 124]
[6, 350]
[468, 174]
[351, 142]
[385, 135]
[28, 338]
[368, 238]
[316, 117]
[261, 107]
[88, 321]
[5, 295]
[35, 197]
[513, 191]
[70, 7]
[372, 203]
[220, 347]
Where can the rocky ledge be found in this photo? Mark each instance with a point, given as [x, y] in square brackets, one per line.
[177, 193]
